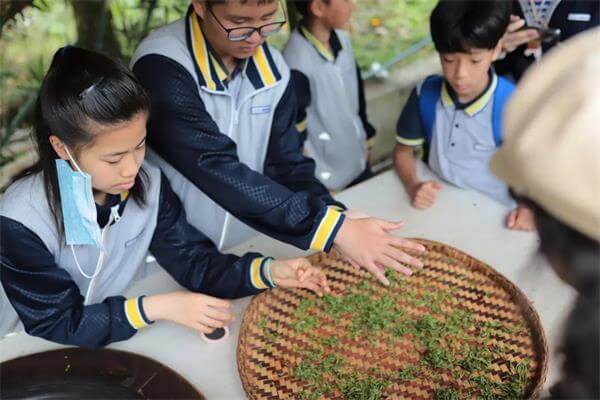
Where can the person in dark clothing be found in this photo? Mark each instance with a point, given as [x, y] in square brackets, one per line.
[522, 44]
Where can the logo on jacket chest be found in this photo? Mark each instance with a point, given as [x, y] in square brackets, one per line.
[257, 110]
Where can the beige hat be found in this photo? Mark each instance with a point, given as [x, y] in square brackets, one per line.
[551, 148]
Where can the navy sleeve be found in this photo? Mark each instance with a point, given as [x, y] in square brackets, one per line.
[285, 162]
[194, 261]
[182, 132]
[409, 130]
[303, 99]
[574, 17]
[362, 107]
[47, 300]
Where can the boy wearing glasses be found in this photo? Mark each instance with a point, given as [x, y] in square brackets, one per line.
[222, 129]
[327, 82]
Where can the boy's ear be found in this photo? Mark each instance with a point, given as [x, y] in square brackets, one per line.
[199, 7]
[317, 7]
[59, 147]
[497, 50]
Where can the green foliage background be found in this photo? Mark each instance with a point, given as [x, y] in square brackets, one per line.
[379, 28]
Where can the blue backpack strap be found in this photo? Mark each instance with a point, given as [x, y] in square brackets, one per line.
[503, 92]
[428, 97]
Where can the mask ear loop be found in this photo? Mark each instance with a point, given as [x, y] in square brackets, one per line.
[114, 216]
[100, 257]
[81, 271]
[90, 290]
[73, 160]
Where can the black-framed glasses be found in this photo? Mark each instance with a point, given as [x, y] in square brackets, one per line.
[244, 32]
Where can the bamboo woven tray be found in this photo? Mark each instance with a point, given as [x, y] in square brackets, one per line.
[455, 329]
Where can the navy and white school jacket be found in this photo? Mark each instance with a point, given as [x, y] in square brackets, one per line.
[44, 290]
[332, 110]
[231, 149]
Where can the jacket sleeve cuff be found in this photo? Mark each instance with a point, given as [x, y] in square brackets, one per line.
[327, 229]
[409, 141]
[134, 311]
[260, 273]
[336, 205]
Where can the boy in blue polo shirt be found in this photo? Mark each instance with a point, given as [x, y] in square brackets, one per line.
[457, 117]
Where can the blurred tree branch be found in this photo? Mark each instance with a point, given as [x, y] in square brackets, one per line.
[95, 29]
[151, 6]
[10, 8]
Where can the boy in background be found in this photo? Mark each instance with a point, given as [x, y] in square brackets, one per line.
[457, 117]
[332, 115]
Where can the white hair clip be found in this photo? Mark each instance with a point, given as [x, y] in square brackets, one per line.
[88, 90]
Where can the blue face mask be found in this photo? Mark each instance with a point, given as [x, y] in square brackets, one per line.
[78, 205]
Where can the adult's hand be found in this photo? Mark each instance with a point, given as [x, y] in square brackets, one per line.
[515, 36]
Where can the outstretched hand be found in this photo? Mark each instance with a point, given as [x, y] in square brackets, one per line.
[368, 243]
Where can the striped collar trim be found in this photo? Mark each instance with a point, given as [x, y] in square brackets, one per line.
[320, 47]
[446, 99]
[260, 68]
[478, 104]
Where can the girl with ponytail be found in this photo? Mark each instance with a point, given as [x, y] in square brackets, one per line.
[77, 226]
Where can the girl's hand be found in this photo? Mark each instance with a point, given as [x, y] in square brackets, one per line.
[194, 310]
[298, 272]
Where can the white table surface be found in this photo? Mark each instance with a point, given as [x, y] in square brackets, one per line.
[464, 219]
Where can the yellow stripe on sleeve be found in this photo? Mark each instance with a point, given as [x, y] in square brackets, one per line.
[255, 277]
[134, 316]
[325, 229]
